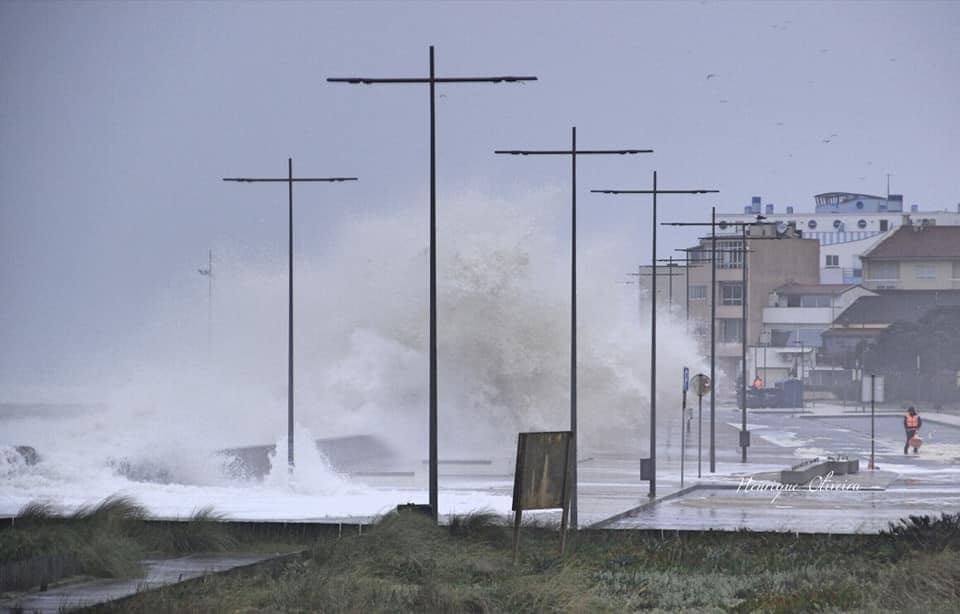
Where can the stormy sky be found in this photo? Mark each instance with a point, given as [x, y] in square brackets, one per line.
[117, 121]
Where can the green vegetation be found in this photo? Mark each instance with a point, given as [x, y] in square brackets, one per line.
[107, 540]
[406, 564]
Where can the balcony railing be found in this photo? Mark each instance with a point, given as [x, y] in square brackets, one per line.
[883, 284]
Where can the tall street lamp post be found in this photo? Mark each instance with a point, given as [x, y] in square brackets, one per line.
[290, 180]
[652, 473]
[432, 80]
[573, 152]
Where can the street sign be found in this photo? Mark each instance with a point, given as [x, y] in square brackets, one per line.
[542, 478]
[686, 379]
[866, 390]
[701, 384]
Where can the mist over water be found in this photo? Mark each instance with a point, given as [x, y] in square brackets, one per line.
[170, 400]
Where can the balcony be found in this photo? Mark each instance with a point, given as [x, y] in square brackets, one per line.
[798, 315]
[890, 283]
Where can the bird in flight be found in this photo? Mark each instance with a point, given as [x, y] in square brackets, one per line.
[711, 75]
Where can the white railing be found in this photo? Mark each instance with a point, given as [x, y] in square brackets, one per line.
[883, 284]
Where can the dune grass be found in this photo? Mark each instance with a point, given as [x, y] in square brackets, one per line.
[407, 564]
[105, 540]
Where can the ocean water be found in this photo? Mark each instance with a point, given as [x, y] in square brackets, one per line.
[165, 402]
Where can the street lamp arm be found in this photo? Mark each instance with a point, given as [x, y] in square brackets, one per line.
[655, 191]
[568, 152]
[376, 81]
[288, 180]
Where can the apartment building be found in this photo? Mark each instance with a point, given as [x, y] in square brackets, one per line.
[774, 256]
[915, 257]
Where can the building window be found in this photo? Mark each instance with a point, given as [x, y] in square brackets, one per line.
[779, 338]
[815, 300]
[812, 224]
[833, 260]
[729, 254]
[729, 330]
[698, 293]
[837, 224]
[861, 224]
[884, 275]
[731, 293]
[859, 204]
[925, 271]
[883, 225]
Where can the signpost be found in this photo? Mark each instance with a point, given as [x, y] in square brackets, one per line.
[542, 478]
[701, 385]
[872, 390]
[683, 414]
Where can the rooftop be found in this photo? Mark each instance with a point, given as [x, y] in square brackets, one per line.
[896, 305]
[832, 289]
[916, 242]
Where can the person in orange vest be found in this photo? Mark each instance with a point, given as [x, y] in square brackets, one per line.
[911, 424]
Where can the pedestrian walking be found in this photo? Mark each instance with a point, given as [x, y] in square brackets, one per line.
[911, 425]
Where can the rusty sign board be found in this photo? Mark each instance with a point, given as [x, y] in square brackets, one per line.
[542, 478]
[540, 481]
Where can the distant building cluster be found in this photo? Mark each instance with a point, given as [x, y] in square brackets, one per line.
[827, 292]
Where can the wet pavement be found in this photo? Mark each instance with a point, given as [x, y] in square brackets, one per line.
[159, 572]
[746, 496]
[612, 495]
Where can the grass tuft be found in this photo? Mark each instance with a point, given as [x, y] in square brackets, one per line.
[112, 510]
[482, 523]
[33, 512]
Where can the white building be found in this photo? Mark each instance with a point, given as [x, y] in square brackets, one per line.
[847, 225]
[793, 323]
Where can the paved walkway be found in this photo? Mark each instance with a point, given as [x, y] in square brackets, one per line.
[159, 572]
[924, 484]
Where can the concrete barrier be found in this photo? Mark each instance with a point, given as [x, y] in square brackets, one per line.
[806, 471]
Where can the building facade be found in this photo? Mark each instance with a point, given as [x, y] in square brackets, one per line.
[671, 291]
[915, 257]
[847, 225]
[773, 257]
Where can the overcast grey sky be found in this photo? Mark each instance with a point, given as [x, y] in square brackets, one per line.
[118, 119]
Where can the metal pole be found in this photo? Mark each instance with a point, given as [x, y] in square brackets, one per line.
[743, 345]
[670, 284]
[290, 318]
[432, 80]
[653, 320]
[765, 365]
[289, 180]
[573, 152]
[700, 435]
[713, 338]
[653, 351]
[686, 282]
[873, 416]
[803, 374]
[683, 436]
[573, 324]
[434, 484]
